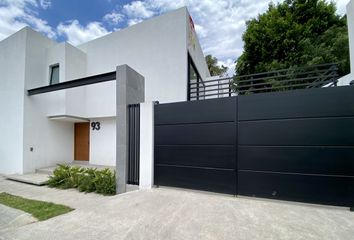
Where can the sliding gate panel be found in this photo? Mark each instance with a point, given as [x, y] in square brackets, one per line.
[195, 145]
[297, 145]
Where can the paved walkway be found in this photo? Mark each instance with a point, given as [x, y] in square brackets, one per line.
[165, 213]
[14, 218]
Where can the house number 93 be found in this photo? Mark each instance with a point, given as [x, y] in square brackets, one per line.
[96, 126]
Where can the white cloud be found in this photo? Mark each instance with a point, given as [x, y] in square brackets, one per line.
[8, 23]
[77, 34]
[134, 21]
[138, 9]
[113, 18]
[341, 6]
[230, 64]
[40, 25]
[219, 24]
[45, 3]
[17, 14]
[201, 31]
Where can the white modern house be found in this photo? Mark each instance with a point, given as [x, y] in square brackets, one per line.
[88, 122]
[80, 123]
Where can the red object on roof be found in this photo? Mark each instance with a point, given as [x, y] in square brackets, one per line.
[191, 22]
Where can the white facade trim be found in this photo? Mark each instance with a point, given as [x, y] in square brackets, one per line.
[146, 175]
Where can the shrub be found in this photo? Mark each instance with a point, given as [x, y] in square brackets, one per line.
[105, 182]
[62, 177]
[85, 179]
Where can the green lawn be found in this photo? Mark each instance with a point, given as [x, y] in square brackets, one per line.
[39, 209]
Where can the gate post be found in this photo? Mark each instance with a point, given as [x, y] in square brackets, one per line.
[130, 90]
[146, 177]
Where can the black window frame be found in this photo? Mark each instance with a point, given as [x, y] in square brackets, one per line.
[51, 73]
[199, 80]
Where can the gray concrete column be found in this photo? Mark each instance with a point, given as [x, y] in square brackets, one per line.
[130, 90]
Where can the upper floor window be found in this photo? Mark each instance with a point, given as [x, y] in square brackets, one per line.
[196, 88]
[54, 74]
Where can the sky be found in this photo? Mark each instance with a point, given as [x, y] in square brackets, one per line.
[219, 23]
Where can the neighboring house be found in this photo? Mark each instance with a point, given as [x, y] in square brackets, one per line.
[40, 131]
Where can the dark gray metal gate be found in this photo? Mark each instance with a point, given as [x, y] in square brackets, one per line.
[298, 145]
[295, 145]
[195, 145]
[134, 144]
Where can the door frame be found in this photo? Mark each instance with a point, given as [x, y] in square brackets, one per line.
[86, 136]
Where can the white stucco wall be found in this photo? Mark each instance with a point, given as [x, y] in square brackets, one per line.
[52, 141]
[350, 20]
[12, 53]
[345, 80]
[103, 142]
[101, 100]
[146, 174]
[75, 67]
[156, 48]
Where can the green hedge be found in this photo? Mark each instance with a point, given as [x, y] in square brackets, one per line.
[84, 179]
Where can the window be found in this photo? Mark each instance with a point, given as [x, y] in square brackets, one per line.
[195, 83]
[54, 74]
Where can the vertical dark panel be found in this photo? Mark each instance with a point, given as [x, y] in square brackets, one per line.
[195, 145]
[236, 143]
[134, 144]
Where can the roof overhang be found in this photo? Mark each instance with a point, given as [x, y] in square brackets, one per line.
[68, 118]
[110, 76]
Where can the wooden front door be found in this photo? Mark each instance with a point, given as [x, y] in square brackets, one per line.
[82, 141]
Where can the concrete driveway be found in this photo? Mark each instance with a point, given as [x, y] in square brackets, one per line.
[14, 218]
[165, 213]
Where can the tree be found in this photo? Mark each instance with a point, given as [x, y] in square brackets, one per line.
[295, 33]
[213, 67]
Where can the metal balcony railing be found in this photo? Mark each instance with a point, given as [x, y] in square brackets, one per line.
[323, 75]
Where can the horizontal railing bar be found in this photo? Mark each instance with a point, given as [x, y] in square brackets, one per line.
[200, 85]
[322, 83]
[219, 79]
[232, 93]
[285, 79]
[213, 94]
[200, 82]
[285, 76]
[209, 90]
[267, 73]
[243, 76]
[270, 88]
[212, 85]
[288, 69]
[259, 84]
[264, 78]
[290, 80]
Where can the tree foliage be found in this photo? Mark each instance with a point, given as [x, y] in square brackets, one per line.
[295, 33]
[214, 68]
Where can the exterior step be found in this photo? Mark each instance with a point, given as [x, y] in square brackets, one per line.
[47, 170]
[30, 178]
